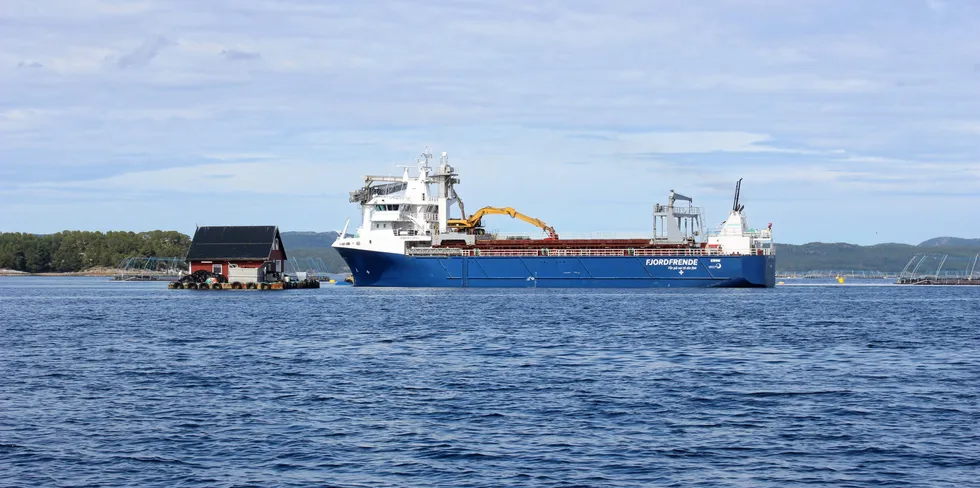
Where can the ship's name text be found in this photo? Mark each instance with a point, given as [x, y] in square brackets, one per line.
[672, 262]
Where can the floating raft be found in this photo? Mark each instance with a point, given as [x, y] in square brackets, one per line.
[278, 285]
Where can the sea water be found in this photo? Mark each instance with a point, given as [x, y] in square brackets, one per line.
[112, 383]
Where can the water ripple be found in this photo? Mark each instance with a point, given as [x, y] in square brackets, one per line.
[132, 384]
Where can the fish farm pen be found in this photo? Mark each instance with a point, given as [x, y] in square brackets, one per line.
[310, 266]
[940, 269]
[825, 274]
[138, 268]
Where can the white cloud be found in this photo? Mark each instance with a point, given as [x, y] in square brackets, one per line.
[938, 6]
[21, 119]
[29, 10]
[695, 142]
[236, 178]
[969, 127]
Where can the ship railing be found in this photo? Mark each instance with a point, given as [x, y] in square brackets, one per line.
[527, 252]
[604, 236]
[568, 236]
[764, 251]
[431, 251]
[753, 233]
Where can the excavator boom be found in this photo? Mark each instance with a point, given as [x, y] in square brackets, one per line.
[473, 221]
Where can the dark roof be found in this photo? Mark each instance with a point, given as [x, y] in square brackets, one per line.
[235, 242]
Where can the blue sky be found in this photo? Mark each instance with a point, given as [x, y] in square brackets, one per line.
[849, 121]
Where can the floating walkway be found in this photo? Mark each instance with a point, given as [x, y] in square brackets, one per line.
[278, 285]
[938, 281]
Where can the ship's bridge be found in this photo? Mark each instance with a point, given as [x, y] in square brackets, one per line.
[394, 209]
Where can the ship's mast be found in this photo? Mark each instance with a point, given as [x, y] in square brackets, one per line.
[445, 178]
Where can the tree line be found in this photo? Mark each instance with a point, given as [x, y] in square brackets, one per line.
[70, 251]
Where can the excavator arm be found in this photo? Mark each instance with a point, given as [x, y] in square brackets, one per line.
[473, 221]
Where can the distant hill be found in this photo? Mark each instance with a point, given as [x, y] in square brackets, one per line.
[75, 250]
[299, 240]
[835, 256]
[879, 257]
[950, 242]
[314, 245]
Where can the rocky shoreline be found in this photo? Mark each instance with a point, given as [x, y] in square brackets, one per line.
[93, 272]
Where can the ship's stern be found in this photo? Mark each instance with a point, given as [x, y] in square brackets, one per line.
[760, 271]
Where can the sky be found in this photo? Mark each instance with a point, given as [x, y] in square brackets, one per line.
[848, 121]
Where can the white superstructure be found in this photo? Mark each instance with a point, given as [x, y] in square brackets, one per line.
[411, 214]
[400, 210]
[735, 236]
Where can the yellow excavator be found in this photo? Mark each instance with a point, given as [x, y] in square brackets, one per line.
[473, 221]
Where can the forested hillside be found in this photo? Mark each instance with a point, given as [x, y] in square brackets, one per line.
[71, 251]
[821, 256]
[77, 250]
[951, 242]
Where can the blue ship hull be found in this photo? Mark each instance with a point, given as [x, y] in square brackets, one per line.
[371, 268]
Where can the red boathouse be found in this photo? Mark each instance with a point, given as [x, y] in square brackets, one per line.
[240, 253]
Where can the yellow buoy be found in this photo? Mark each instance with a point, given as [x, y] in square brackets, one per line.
[840, 279]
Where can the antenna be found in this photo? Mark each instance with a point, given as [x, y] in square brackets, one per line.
[423, 160]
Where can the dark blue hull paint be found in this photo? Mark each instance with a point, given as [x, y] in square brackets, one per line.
[385, 269]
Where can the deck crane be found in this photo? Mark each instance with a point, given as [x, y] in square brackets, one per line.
[474, 221]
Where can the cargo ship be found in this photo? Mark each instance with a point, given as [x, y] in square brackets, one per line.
[408, 238]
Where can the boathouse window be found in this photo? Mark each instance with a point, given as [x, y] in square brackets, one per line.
[216, 269]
